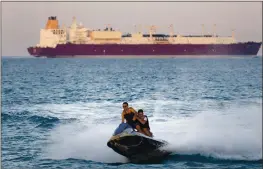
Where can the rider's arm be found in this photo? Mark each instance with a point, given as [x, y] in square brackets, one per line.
[142, 121]
[122, 117]
[134, 111]
[135, 114]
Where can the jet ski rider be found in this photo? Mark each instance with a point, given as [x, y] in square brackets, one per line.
[143, 123]
[130, 115]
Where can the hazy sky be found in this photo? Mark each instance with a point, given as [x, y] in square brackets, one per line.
[22, 21]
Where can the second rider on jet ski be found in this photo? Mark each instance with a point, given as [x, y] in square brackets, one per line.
[143, 122]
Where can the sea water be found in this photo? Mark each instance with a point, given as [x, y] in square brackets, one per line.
[60, 113]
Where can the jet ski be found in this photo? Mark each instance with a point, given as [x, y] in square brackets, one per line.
[137, 147]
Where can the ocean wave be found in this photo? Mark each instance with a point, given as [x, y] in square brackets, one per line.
[48, 121]
[37, 119]
[13, 117]
[5, 116]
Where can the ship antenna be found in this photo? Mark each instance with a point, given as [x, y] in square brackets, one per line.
[135, 29]
[203, 29]
[214, 30]
[151, 32]
[154, 28]
[233, 33]
[140, 28]
[105, 27]
[171, 30]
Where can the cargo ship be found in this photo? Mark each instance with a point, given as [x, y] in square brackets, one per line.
[78, 41]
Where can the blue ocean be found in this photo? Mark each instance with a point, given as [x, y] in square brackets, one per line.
[60, 113]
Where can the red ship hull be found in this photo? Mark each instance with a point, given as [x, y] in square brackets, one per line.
[139, 50]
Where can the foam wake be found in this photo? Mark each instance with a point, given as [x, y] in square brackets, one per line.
[232, 133]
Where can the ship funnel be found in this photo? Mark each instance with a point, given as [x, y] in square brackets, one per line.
[52, 23]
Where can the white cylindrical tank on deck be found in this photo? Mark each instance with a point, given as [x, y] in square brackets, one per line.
[106, 35]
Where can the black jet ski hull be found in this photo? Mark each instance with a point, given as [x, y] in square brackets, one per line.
[138, 148]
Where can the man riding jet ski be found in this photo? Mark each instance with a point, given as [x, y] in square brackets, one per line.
[136, 145]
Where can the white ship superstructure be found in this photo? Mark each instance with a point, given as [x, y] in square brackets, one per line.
[78, 34]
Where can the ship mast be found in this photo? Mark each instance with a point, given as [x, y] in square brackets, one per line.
[140, 29]
[154, 29]
[171, 32]
[150, 31]
[233, 33]
[203, 29]
[214, 30]
[109, 27]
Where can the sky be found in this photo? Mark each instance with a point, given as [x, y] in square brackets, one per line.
[22, 21]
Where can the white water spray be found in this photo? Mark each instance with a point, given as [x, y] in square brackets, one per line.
[233, 133]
